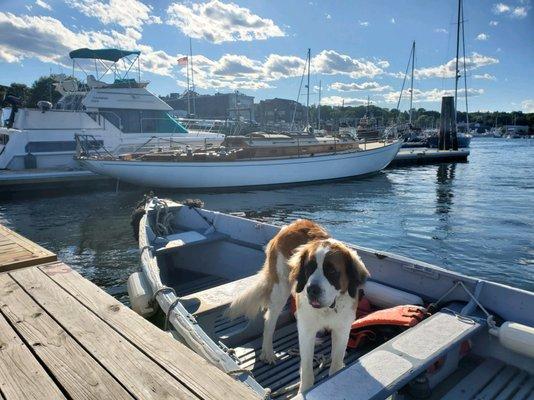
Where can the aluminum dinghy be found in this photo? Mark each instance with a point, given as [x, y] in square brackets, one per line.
[478, 342]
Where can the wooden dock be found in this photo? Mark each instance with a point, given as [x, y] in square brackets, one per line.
[422, 156]
[61, 337]
[16, 251]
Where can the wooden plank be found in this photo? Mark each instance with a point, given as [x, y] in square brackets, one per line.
[75, 370]
[196, 373]
[21, 375]
[17, 252]
[138, 373]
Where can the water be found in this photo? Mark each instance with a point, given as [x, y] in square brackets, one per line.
[475, 218]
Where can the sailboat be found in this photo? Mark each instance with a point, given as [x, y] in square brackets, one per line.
[258, 159]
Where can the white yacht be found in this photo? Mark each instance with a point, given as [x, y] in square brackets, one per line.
[121, 115]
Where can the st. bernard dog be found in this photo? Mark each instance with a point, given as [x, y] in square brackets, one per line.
[324, 276]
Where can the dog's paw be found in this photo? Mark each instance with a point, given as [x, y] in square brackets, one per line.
[268, 357]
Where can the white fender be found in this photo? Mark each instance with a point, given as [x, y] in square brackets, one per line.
[516, 337]
[140, 295]
[383, 296]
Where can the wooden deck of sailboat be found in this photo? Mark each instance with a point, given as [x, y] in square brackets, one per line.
[63, 337]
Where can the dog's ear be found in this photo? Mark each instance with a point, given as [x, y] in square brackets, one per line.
[357, 273]
[298, 272]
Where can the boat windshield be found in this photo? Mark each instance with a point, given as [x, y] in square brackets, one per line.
[143, 121]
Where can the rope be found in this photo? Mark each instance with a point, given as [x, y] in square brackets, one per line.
[168, 313]
[489, 318]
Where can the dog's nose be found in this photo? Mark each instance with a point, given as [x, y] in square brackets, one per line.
[314, 291]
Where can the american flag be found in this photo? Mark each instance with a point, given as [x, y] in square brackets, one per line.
[182, 61]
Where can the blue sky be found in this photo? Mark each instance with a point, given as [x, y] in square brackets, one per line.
[359, 48]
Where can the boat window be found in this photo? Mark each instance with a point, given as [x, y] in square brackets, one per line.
[143, 121]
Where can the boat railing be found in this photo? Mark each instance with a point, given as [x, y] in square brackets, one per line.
[89, 146]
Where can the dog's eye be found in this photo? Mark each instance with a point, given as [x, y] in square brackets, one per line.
[330, 270]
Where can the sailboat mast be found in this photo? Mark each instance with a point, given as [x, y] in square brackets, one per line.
[308, 92]
[465, 71]
[319, 108]
[457, 71]
[411, 85]
[192, 76]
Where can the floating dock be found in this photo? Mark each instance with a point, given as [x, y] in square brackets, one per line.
[61, 337]
[422, 156]
[16, 251]
[48, 178]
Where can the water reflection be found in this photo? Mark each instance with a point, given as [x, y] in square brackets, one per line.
[444, 188]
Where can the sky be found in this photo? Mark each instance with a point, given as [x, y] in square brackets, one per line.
[358, 48]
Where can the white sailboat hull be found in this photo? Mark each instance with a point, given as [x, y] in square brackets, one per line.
[246, 172]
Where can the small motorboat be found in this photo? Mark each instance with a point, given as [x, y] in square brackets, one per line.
[259, 159]
[478, 341]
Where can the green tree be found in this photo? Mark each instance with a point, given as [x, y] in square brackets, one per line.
[43, 89]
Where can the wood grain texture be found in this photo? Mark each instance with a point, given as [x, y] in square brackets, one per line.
[138, 373]
[75, 370]
[21, 376]
[203, 378]
[17, 252]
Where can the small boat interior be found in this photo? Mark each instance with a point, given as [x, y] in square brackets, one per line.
[458, 352]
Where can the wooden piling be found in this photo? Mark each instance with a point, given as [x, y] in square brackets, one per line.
[447, 124]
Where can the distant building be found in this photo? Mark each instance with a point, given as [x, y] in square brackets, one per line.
[233, 106]
[279, 112]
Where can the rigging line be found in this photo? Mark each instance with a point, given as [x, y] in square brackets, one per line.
[298, 98]
[403, 83]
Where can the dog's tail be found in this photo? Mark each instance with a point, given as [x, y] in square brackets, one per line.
[252, 300]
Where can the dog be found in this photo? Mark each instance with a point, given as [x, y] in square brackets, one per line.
[324, 276]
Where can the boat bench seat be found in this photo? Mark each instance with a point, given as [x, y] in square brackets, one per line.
[217, 297]
[186, 239]
[389, 367]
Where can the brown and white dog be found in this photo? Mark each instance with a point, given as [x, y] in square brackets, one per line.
[324, 276]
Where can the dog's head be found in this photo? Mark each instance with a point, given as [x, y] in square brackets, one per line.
[323, 269]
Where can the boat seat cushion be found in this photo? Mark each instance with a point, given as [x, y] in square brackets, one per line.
[186, 239]
[383, 371]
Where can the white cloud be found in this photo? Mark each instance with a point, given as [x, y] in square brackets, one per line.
[126, 13]
[482, 37]
[474, 61]
[486, 76]
[330, 62]
[501, 8]
[219, 22]
[519, 12]
[432, 95]
[18, 33]
[528, 105]
[383, 63]
[363, 23]
[350, 87]
[494, 23]
[43, 4]
[513, 12]
[392, 20]
[337, 101]
[441, 30]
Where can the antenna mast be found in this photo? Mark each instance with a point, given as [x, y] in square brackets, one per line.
[192, 77]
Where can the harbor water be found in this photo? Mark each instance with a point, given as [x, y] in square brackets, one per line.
[476, 218]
